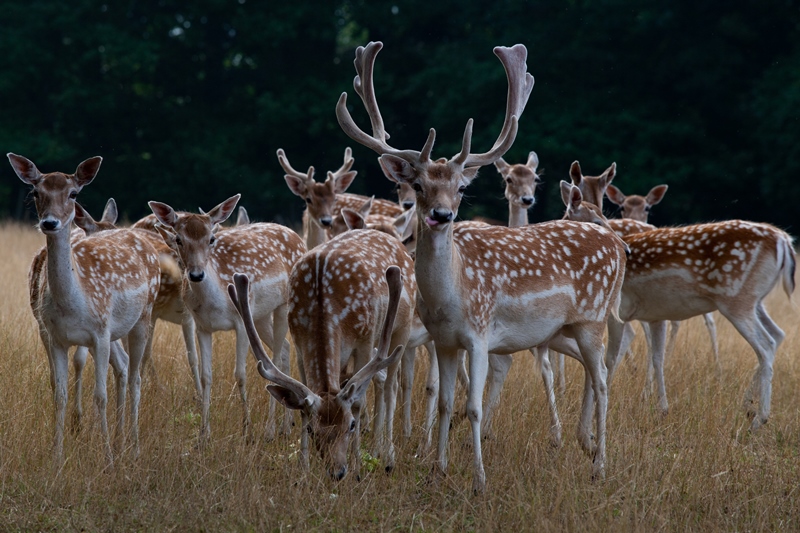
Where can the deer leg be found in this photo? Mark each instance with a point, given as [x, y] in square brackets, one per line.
[148, 364]
[431, 397]
[499, 365]
[240, 373]
[119, 363]
[204, 344]
[543, 358]
[406, 385]
[584, 433]
[59, 358]
[658, 334]
[711, 326]
[478, 370]
[391, 403]
[78, 364]
[628, 335]
[448, 368]
[590, 343]
[673, 335]
[101, 352]
[562, 377]
[266, 334]
[137, 342]
[282, 353]
[613, 351]
[187, 328]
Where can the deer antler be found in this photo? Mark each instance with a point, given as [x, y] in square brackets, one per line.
[348, 163]
[284, 161]
[520, 84]
[238, 291]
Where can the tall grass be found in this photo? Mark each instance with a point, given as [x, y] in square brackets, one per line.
[698, 468]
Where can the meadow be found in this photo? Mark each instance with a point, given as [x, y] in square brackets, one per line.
[698, 468]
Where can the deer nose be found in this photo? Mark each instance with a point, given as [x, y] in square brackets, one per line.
[408, 205]
[527, 200]
[49, 224]
[442, 215]
[326, 221]
[196, 276]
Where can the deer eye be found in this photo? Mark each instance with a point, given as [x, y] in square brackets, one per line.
[73, 195]
[462, 189]
[417, 187]
[352, 425]
[647, 209]
[508, 180]
[212, 240]
[308, 200]
[178, 241]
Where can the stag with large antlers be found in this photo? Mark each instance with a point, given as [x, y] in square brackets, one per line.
[266, 252]
[91, 294]
[330, 412]
[495, 289]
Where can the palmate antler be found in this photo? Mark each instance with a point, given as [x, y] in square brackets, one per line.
[520, 84]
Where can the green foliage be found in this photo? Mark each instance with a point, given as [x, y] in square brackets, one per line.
[188, 101]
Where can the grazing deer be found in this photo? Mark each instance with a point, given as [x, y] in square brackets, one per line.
[730, 267]
[266, 252]
[637, 208]
[495, 289]
[329, 411]
[90, 293]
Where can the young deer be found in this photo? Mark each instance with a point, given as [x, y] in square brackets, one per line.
[635, 207]
[521, 181]
[495, 289]
[325, 200]
[266, 252]
[91, 294]
[592, 187]
[330, 412]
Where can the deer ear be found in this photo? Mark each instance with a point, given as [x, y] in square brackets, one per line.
[615, 195]
[296, 185]
[404, 224]
[110, 213]
[344, 181]
[533, 161]
[84, 220]
[167, 234]
[656, 194]
[366, 207]
[501, 166]
[221, 213]
[242, 218]
[607, 176]
[575, 197]
[470, 173]
[164, 213]
[397, 169]
[289, 398]
[25, 169]
[566, 191]
[352, 219]
[575, 173]
[87, 170]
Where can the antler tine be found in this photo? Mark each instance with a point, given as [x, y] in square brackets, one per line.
[425, 155]
[238, 292]
[347, 165]
[520, 84]
[466, 145]
[364, 63]
[284, 161]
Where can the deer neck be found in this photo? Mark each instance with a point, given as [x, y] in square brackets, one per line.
[438, 268]
[61, 277]
[315, 235]
[517, 215]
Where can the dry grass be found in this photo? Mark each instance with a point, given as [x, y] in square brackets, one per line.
[696, 469]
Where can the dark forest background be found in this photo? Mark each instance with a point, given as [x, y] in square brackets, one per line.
[188, 101]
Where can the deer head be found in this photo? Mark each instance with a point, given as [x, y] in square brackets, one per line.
[406, 196]
[635, 206]
[319, 197]
[592, 187]
[521, 180]
[89, 225]
[194, 234]
[438, 184]
[579, 210]
[55, 193]
[330, 418]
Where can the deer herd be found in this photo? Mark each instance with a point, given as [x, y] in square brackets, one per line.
[373, 280]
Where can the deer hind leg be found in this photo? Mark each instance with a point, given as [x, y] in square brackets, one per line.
[658, 334]
[542, 355]
[614, 353]
[119, 363]
[590, 343]
[137, 343]
[499, 365]
[78, 364]
[562, 376]
[752, 326]
[240, 374]
[711, 326]
[148, 365]
[188, 330]
[102, 353]
[390, 399]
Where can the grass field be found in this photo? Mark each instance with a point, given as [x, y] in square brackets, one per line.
[696, 469]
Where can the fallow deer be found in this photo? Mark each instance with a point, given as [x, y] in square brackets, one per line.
[637, 208]
[266, 252]
[495, 289]
[91, 294]
[520, 181]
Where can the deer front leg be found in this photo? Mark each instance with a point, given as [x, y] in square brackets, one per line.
[282, 351]
[391, 403]
[542, 354]
[204, 344]
[102, 353]
[59, 373]
[240, 373]
[119, 362]
[406, 385]
[78, 364]
[613, 350]
[431, 397]
[137, 341]
[478, 370]
[448, 368]
[188, 330]
[658, 335]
